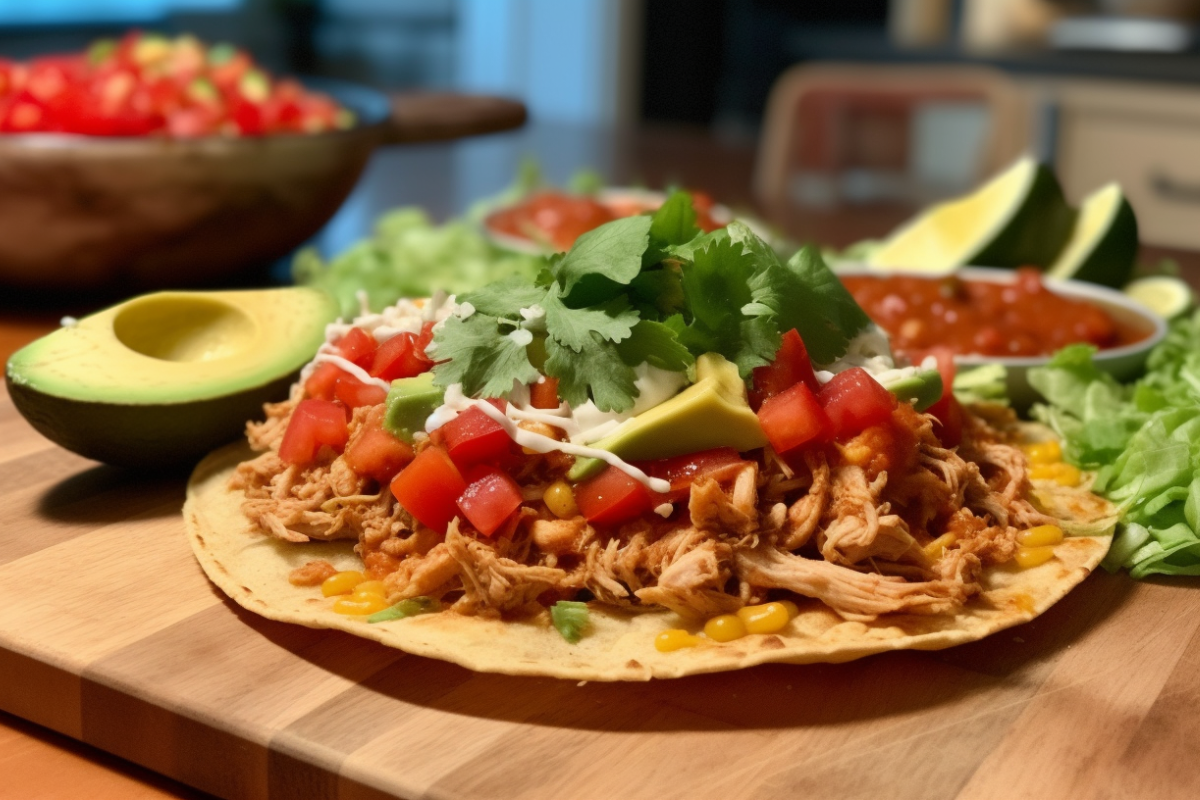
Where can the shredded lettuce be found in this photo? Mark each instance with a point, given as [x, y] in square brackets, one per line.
[570, 618]
[410, 256]
[1143, 439]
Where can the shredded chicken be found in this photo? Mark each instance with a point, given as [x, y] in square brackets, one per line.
[849, 524]
[853, 594]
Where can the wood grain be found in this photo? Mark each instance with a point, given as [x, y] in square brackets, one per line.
[110, 633]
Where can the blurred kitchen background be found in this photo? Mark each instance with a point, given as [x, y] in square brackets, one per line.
[812, 105]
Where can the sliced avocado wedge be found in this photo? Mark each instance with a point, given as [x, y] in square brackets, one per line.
[712, 412]
[161, 379]
[1104, 242]
[410, 401]
[1017, 218]
[922, 389]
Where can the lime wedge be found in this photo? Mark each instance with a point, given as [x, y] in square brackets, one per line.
[1164, 295]
[1018, 217]
[1104, 243]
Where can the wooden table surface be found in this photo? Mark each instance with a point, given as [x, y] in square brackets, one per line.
[1097, 698]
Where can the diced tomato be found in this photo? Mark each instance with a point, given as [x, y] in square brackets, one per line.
[612, 497]
[794, 418]
[682, 471]
[321, 382]
[947, 410]
[791, 366]
[248, 117]
[490, 498]
[544, 393]
[377, 454]
[358, 347]
[314, 424]
[473, 436]
[146, 84]
[429, 488]
[400, 357]
[854, 401]
[355, 394]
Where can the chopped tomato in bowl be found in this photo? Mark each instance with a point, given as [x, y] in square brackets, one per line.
[149, 85]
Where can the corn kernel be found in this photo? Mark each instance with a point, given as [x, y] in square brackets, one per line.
[341, 583]
[560, 499]
[1061, 473]
[1032, 556]
[360, 604]
[767, 618]
[1040, 536]
[674, 639]
[1043, 452]
[371, 587]
[725, 628]
[937, 547]
[792, 609]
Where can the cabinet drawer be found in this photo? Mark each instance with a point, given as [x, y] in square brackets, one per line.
[1156, 161]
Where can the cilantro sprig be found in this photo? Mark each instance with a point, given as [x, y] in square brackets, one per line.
[644, 289]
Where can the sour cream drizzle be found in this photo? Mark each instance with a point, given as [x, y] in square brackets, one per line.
[544, 444]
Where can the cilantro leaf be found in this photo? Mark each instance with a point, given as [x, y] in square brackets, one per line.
[675, 220]
[687, 251]
[817, 305]
[656, 344]
[731, 315]
[674, 223]
[596, 370]
[571, 327]
[658, 293]
[482, 358]
[503, 298]
[613, 250]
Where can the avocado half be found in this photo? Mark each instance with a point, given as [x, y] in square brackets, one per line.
[159, 380]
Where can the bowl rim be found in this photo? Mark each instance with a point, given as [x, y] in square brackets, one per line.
[1104, 296]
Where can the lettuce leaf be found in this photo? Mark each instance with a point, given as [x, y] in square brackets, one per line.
[1144, 441]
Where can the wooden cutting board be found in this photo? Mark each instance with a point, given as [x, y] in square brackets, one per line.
[110, 633]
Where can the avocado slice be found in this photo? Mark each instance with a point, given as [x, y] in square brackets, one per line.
[1018, 217]
[163, 378]
[410, 401]
[1104, 243]
[712, 412]
[922, 389]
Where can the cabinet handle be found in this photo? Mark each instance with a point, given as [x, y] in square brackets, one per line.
[1170, 189]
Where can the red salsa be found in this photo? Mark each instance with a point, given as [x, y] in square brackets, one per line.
[558, 219]
[1021, 318]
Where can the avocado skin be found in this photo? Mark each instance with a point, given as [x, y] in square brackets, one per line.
[172, 436]
[1037, 232]
[1111, 261]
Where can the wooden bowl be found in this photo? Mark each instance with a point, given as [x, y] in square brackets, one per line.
[82, 212]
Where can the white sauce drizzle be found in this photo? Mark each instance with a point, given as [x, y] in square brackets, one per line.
[352, 368]
[544, 444]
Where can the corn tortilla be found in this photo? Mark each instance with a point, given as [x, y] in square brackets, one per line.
[253, 570]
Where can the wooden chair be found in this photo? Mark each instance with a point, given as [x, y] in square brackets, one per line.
[829, 119]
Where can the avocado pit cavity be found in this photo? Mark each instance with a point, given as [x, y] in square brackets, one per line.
[183, 328]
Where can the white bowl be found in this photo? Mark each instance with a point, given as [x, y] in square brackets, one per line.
[1123, 363]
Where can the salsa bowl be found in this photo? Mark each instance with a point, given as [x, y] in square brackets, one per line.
[1141, 329]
